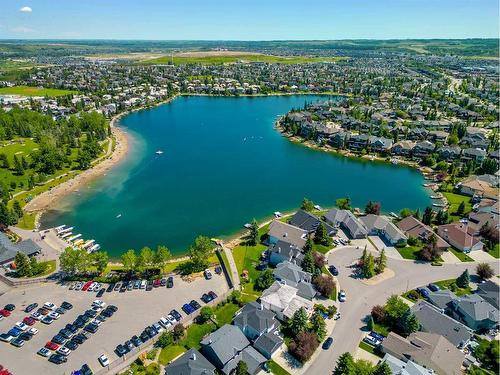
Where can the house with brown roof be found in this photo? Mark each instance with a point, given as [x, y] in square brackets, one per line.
[461, 236]
[479, 186]
[416, 229]
[426, 349]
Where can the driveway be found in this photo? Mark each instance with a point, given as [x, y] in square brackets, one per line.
[361, 298]
[482, 256]
[136, 310]
[390, 251]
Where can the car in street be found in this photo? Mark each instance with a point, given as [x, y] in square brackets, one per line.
[44, 352]
[328, 342]
[333, 270]
[57, 359]
[31, 307]
[342, 296]
[103, 360]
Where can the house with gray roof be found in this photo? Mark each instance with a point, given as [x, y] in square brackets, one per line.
[399, 367]
[290, 274]
[308, 222]
[191, 362]
[268, 343]
[475, 312]
[9, 249]
[380, 144]
[434, 320]
[381, 226]
[422, 149]
[441, 298]
[449, 152]
[227, 346]
[346, 220]
[475, 154]
[284, 300]
[279, 231]
[282, 251]
[489, 291]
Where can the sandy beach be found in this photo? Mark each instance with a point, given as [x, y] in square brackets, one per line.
[47, 199]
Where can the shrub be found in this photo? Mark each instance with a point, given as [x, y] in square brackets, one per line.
[324, 284]
[378, 313]
[304, 345]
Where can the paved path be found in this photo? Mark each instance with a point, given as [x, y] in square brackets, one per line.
[361, 297]
[233, 269]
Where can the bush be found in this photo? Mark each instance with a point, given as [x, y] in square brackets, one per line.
[413, 295]
[165, 339]
[152, 354]
[485, 271]
[178, 332]
[378, 314]
[304, 345]
[324, 284]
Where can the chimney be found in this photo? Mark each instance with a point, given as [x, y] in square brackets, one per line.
[193, 356]
[261, 306]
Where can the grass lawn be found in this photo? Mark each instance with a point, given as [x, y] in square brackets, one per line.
[170, 352]
[34, 91]
[495, 252]
[225, 59]
[461, 255]
[367, 347]
[224, 314]
[383, 330]
[195, 333]
[454, 201]
[409, 252]
[450, 284]
[247, 258]
[50, 267]
[277, 369]
[322, 248]
[226, 263]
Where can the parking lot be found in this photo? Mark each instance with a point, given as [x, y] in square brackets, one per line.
[136, 310]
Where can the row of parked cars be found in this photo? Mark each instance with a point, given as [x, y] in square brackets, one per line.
[374, 338]
[424, 292]
[93, 286]
[23, 330]
[69, 338]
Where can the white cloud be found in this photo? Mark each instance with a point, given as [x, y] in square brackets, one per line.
[26, 10]
[22, 30]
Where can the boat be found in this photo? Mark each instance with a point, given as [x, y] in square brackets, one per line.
[72, 238]
[436, 197]
[442, 205]
[278, 214]
[96, 247]
[66, 230]
[88, 244]
[317, 207]
[394, 215]
[59, 228]
[66, 235]
[78, 242]
[394, 161]
[118, 216]
[159, 152]
[247, 225]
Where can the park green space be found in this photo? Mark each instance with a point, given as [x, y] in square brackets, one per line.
[226, 59]
[34, 91]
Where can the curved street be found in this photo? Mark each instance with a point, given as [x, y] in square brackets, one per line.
[362, 297]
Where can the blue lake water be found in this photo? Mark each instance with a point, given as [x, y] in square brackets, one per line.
[223, 164]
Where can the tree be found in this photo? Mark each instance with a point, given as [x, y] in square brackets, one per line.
[264, 280]
[18, 166]
[178, 332]
[253, 238]
[308, 262]
[324, 284]
[303, 346]
[199, 253]
[206, 313]
[162, 256]
[430, 251]
[428, 215]
[363, 258]
[463, 280]
[241, 368]
[343, 203]
[5, 216]
[373, 208]
[165, 339]
[321, 236]
[307, 205]
[100, 260]
[408, 323]
[129, 260]
[16, 206]
[370, 325]
[145, 258]
[488, 354]
[485, 271]
[378, 313]
[319, 260]
[382, 369]
[368, 268]
[405, 212]
[394, 310]
[309, 244]
[461, 209]
[381, 262]
[298, 323]
[318, 325]
[74, 260]
[22, 264]
[345, 365]
[442, 217]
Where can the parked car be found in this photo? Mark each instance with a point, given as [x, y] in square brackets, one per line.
[85, 370]
[434, 287]
[33, 331]
[218, 270]
[157, 283]
[371, 340]
[163, 282]
[18, 342]
[63, 351]
[129, 345]
[29, 321]
[44, 352]
[206, 298]
[100, 293]
[59, 339]
[5, 313]
[212, 295]
[120, 350]
[54, 315]
[195, 304]
[377, 336]
[333, 270]
[110, 287]
[58, 359]
[49, 306]
[5, 337]
[176, 315]
[144, 283]
[170, 282]
[15, 332]
[136, 341]
[137, 284]
[328, 342]
[10, 307]
[31, 307]
[165, 322]
[342, 296]
[423, 292]
[117, 287]
[51, 345]
[208, 274]
[71, 345]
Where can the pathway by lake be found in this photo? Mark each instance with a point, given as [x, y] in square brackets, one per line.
[223, 164]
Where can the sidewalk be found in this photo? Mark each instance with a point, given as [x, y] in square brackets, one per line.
[232, 266]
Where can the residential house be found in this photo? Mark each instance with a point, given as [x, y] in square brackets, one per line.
[481, 186]
[461, 236]
[412, 227]
[381, 226]
[442, 298]
[426, 349]
[308, 222]
[449, 153]
[417, 134]
[284, 300]
[261, 327]
[476, 154]
[403, 148]
[9, 249]
[282, 251]
[423, 148]
[438, 135]
[399, 367]
[340, 139]
[475, 312]
[380, 144]
[227, 346]
[432, 319]
[191, 362]
[346, 220]
[357, 142]
[478, 219]
[279, 231]
[487, 205]
[489, 291]
[290, 274]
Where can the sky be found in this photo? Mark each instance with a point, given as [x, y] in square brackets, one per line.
[248, 19]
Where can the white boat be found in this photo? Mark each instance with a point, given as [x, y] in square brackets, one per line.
[96, 247]
[118, 216]
[66, 235]
[159, 152]
[88, 244]
[439, 205]
[317, 207]
[278, 214]
[248, 225]
[66, 230]
[72, 238]
[394, 215]
[59, 228]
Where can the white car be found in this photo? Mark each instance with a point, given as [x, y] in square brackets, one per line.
[22, 326]
[143, 284]
[54, 315]
[99, 303]
[165, 322]
[97, 322]
[79, 286]
[36, 315]
[103, 360]
[33, 331]
[63, 351]
[50, 306]
[1, 318]
[208, 274]
[44, 352]
[171, 318]
[342, 296]
[47, 320]
[158, 327]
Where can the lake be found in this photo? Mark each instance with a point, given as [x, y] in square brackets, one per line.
[223, 164]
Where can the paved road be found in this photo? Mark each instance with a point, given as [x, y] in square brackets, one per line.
[361, 297]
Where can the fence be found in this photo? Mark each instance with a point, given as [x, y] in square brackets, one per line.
[125, 361]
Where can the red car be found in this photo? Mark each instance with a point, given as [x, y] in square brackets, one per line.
[51, 345]
[5, 313]
[29, 321]
[86, 285]
[157, 283]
